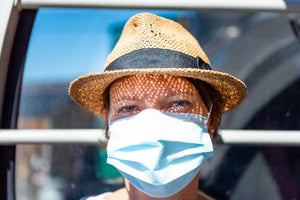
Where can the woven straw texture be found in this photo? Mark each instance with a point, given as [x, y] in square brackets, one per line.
[147, 30]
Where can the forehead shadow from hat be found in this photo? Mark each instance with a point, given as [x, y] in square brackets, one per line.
[208, 94]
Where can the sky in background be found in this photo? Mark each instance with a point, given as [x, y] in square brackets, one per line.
[67, 43]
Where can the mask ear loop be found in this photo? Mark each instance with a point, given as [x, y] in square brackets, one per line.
[209, 112]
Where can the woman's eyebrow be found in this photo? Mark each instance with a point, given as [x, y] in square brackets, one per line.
[128, 98]
[179, 93]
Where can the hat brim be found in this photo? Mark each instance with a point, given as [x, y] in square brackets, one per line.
[88, 90]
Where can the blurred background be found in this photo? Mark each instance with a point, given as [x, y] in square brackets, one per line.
[260, 48]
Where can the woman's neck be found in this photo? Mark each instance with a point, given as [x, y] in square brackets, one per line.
[190, 192]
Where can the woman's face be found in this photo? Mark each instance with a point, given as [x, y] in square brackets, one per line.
[132, 94]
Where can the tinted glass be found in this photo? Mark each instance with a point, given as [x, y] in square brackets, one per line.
[260, 48]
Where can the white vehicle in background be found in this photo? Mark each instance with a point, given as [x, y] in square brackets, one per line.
[49, 147]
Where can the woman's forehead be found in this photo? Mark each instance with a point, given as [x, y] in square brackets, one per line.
[151, 83]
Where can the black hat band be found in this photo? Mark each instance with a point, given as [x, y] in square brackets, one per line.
[156, 58]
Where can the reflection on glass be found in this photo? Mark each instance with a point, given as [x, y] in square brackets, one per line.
[64, 44]
[259, 48]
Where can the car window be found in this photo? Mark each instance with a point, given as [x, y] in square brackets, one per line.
[260, 48]
[64, 44]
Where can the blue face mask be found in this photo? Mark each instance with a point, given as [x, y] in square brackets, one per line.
[159, 152]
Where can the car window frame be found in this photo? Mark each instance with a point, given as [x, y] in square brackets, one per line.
[10, 97]
[19, 19]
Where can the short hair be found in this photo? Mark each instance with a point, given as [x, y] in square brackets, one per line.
[210, 98]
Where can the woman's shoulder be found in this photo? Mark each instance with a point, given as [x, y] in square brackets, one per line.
[119, 194]
[204, 196]
[99, 197]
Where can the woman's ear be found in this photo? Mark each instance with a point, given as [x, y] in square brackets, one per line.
[103, 143]
[105, 113]
[211, 127]
[214, 123]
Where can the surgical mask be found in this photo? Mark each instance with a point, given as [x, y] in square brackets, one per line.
[159, 152]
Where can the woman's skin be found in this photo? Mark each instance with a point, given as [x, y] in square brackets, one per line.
[130, 95]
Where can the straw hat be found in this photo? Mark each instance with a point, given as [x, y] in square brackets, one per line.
[154, 45]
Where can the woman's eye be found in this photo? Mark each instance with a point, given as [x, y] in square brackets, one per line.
[178, 104]
[127, 109]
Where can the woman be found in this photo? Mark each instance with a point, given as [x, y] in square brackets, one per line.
[163, 104]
